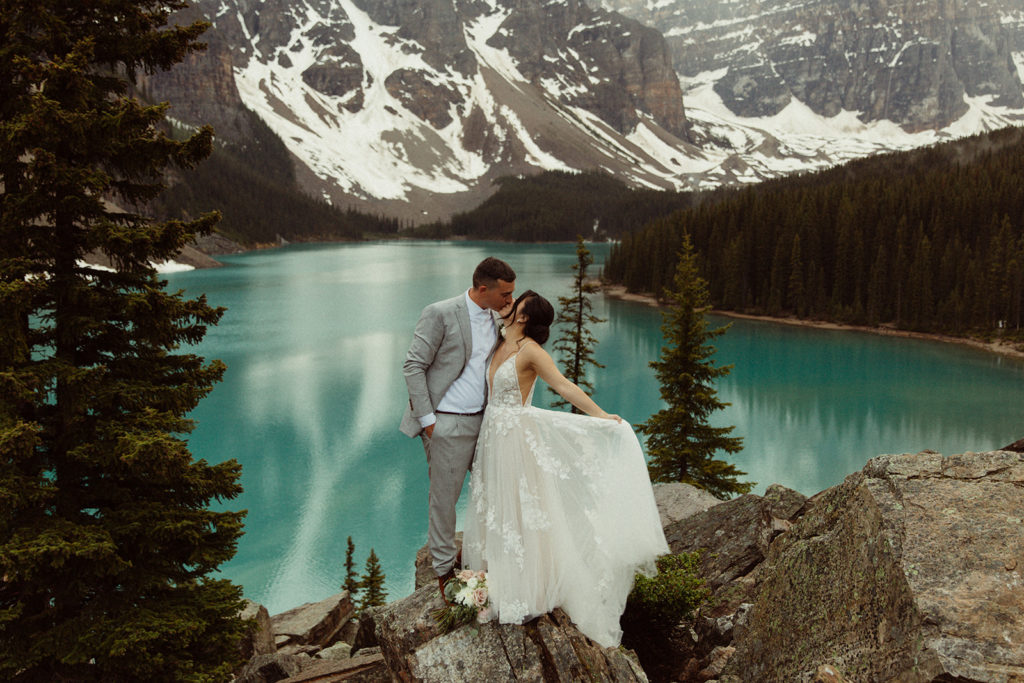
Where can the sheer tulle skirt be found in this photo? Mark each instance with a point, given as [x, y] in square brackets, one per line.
[562, 515]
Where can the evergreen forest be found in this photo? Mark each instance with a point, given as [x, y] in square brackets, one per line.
[556, 206]
[929, 240]
[254, 187]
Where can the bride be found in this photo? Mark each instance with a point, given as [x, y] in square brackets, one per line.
[562, 513]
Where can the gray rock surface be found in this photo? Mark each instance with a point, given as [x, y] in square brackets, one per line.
[336, 652]
[548, 648]
[368, 669]
[677, 501]
[314, 623]
[366, 634]
[912, 63]
[733, 538]
[910, 570]
[271, 668]
[260, 639]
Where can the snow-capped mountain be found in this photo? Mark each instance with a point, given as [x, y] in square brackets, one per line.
[917, 63]
[791, 84]
[413, 107]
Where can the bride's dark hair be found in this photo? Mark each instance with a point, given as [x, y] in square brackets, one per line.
[539, 315]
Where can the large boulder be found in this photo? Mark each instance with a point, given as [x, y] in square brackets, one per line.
[1017, 446]
[259, 640]
[366, 669]
[910, 570]
[271, 668]
[314, 623]
[677, 501]
[548, 648]
[733, 538]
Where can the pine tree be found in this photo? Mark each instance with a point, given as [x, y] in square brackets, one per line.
[106, 536]
[351, 583]
[681, 444]
[576, 343]
[372, 583]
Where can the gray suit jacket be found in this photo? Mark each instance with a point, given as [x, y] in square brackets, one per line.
[441, 346]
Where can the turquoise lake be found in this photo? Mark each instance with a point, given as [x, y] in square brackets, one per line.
[314, 339]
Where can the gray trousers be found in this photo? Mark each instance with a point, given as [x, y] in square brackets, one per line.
[449, 457]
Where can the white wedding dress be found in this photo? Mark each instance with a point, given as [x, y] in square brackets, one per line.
[562, 512]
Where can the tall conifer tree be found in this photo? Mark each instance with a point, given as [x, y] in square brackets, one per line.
[680, 441]
[106, 536]
[372, 583]
[576, 343]
[351, 583]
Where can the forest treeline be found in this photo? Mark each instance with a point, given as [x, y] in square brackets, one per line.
[929, 240]
[556, 206]
[254, 188]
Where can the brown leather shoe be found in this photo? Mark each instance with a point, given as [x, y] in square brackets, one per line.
[442, 580]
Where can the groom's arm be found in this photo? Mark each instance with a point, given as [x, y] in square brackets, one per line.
[426, 340]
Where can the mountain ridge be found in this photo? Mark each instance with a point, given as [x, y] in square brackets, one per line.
[413, 108]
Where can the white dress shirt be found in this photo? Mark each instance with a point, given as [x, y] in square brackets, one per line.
[467, 393]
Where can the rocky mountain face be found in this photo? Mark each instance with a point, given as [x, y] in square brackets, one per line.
[411, 108]
[398, 103]
[202, 88]
[910, 62]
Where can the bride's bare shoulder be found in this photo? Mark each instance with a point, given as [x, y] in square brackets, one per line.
[533, 351]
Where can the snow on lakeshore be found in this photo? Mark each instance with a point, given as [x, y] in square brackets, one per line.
[163, 267]
[172, 267]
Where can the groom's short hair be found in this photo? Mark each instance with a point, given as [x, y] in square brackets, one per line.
[490, 270]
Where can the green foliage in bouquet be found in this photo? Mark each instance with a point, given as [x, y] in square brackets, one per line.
[451, 617]
[467, 601]
[673, 594]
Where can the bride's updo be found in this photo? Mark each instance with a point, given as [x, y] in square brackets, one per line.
[539, 315]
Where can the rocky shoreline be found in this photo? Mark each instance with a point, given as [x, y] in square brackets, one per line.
[910, 569]
[1003, 348]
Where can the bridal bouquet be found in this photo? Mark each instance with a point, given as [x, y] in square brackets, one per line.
[468, 600]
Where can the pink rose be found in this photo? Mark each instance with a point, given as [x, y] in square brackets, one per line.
[466, 575]
[480, 597]
[482, 575]
[484, 615]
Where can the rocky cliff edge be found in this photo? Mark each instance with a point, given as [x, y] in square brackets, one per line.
[911, 569]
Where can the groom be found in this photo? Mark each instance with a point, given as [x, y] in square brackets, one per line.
[445, 371]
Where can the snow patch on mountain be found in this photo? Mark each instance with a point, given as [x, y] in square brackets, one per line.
[378, 151]
[483, 29]
[404, 125]
[797, 139]
[1018, 61]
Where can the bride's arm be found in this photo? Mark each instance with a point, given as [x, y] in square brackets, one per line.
[541, 362]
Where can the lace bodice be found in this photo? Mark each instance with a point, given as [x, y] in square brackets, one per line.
[504, 391]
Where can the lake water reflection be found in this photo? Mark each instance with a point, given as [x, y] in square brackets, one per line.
[314, 340]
